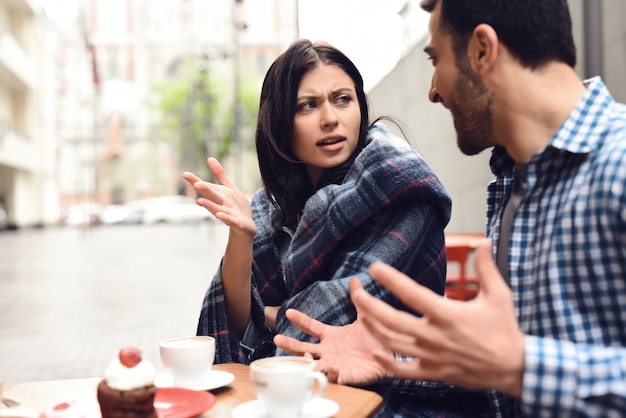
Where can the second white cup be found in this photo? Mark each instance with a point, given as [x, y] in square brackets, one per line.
[188, 359]
[283, 384]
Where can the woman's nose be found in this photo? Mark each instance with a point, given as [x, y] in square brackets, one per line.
[329, 117]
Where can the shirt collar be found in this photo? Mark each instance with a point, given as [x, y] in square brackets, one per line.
[579, 133]
[582, 129]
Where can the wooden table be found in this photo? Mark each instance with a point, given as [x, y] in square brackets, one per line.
[353, 402]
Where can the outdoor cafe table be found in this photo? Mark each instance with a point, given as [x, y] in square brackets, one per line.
[353, 402]
[470, 240]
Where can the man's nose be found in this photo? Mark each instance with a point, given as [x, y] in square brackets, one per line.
[433, 96]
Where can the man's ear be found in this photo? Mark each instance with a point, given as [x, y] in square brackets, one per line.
[482, 49]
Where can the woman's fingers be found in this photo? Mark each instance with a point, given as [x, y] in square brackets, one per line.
[219, 173]
[190, 178]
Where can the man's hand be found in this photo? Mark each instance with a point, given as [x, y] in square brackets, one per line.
[344, 353]
[475, 344]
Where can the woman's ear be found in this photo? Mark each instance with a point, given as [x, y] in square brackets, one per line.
[482, 49]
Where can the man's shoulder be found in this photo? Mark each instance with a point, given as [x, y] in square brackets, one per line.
[615, 129]
[608, 156]
[617, 115]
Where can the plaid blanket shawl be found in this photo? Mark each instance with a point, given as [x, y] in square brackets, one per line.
[390, 207]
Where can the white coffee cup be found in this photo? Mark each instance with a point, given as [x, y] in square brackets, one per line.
[283, 384]
[188, 359]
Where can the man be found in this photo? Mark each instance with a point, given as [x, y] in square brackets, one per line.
[547, 331]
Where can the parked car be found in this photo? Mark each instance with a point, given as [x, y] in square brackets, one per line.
[83, 214]
[122, 214]
[173, 209]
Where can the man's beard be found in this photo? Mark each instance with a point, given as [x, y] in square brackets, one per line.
[470, 106]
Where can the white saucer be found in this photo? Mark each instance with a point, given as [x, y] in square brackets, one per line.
[214, 379]
[315, 408]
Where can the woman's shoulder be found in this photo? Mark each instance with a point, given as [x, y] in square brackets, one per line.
[379, 132]
[384, 147]
[389, 158]
[265, 215]
[260, 200]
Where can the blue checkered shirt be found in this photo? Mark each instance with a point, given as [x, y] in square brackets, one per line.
[567, 263]
[567, 269]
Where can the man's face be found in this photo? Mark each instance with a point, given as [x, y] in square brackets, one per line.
[459, 89]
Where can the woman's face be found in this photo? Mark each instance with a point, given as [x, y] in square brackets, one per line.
[327, 119]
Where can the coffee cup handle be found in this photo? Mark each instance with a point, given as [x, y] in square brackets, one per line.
[322, 380]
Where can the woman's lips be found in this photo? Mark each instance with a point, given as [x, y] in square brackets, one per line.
[330, 140]
[332, 144]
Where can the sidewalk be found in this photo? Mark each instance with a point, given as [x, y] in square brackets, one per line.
[70, 298]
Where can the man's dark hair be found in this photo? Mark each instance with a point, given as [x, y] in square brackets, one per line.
[534, 31]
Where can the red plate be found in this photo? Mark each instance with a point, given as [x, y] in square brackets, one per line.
[182, 403]
[169, 403]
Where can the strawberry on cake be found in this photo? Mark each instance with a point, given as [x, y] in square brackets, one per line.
[127, 389]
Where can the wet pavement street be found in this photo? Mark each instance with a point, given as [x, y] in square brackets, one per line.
[70, 298]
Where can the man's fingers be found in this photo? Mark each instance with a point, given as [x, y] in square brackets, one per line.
[289, 344]
[391, 341]
[419, 298]
[407, 369]
[295, 347]
[307, 324]
[384, 316]
[393, 328]
[355, 285]
[486, 269]
[333, 375]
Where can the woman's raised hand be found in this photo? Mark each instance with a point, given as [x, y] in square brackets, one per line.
[224, 200]
[228, 204]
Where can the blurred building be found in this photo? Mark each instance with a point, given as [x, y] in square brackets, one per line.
[27, 136]
[109, 61]
[600, 37]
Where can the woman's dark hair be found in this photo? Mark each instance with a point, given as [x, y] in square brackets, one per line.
[534, 31]
[285, 178]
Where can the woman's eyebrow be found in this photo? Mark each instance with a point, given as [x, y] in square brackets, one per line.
[306, 97]
[343, 90]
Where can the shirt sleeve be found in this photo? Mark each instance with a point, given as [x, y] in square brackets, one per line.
[562, 378]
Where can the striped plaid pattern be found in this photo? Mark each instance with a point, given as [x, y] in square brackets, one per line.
[390, 207]
[567, 263]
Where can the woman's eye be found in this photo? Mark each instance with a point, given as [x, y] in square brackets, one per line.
[344, 99]
[306, 106]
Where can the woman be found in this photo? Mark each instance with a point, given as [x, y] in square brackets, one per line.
[338, 194]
